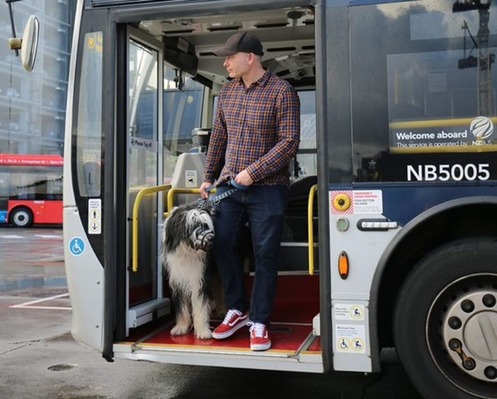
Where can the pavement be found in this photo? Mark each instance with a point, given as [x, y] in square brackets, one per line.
[38, 357]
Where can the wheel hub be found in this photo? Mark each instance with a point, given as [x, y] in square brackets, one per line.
[470, 334]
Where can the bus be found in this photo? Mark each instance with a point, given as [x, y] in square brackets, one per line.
[390, 239]
[30, 189]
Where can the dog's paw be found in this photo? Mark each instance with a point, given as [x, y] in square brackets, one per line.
[179, 330]
[204, 334]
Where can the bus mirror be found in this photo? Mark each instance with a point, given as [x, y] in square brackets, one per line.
[28, 44]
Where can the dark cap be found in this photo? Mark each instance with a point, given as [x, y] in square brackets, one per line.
[240, 42]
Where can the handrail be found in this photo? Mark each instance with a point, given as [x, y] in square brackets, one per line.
[173, 191]
[310, 229]
[136, 206]
[170, 205]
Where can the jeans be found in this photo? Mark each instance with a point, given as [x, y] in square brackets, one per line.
[263, 207]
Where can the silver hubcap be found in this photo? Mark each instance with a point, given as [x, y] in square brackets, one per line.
[470, 333]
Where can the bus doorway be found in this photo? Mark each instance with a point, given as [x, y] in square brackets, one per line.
[170, 106]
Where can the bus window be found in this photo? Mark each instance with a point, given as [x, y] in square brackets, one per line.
[415, 101]
[305, 162]
[182, 111]
[89, 135]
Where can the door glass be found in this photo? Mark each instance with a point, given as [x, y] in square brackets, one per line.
[142, 165]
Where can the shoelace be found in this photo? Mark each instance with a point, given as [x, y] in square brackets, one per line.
[258, 329]
[230, 315]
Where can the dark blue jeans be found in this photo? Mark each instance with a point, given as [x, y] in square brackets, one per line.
[263, 207]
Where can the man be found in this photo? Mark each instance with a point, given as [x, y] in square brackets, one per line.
[256, 133]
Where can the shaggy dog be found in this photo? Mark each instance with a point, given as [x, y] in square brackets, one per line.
[188, 237]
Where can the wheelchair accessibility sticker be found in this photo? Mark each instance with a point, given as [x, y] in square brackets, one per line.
[77, 246]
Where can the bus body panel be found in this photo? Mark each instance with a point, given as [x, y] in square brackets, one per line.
[371, 241]
[85, 282]
[44, 212]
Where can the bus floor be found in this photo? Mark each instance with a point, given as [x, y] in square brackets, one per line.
[291, 328]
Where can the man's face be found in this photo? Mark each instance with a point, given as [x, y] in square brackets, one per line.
[238, 64]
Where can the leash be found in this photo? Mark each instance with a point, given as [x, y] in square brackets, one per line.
[213, 202]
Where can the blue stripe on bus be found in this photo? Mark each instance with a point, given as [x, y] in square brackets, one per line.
[402, 204]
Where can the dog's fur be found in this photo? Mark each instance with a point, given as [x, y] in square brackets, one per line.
[188, 237]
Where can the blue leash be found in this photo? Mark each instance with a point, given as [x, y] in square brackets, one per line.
[213, 202]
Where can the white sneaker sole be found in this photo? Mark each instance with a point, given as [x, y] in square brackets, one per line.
[260, 347]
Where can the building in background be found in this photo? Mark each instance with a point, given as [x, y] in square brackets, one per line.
[32, 104]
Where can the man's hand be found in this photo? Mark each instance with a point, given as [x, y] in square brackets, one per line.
[244, 178]
[203, 190]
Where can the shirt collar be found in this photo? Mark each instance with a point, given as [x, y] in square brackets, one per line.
[261, 82]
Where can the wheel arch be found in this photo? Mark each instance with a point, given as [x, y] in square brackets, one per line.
[449, 221]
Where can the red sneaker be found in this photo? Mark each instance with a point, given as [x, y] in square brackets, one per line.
[233, 321]
[259, 337]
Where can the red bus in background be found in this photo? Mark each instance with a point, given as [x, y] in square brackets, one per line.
[30, 189]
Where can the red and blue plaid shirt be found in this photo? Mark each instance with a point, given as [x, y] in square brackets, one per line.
[257, 129]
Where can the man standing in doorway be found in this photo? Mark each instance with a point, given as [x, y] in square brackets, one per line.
[256, 133]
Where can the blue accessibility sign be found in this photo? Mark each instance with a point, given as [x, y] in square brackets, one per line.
[77, 246]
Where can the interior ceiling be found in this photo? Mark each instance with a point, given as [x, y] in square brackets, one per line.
[287, 36]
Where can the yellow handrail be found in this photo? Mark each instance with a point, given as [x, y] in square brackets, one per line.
[136, 207]
[171, 193]
[310, 213]
[170, 204]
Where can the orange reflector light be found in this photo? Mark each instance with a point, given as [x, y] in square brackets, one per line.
[343, 265]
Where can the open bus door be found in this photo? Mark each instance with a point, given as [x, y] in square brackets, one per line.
[143, 296]
[163, 107]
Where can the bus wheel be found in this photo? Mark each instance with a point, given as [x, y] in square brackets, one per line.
[22, 217]
[445, 321]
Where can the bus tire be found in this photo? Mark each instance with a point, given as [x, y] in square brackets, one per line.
[445, 321]
[22, 217]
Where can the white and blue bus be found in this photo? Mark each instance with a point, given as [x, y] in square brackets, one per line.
[390, 238]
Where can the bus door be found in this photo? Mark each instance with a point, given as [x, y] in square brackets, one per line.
[145, 300]
[164, 107]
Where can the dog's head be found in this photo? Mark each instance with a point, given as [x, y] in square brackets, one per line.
[201, 229]
[191, 224]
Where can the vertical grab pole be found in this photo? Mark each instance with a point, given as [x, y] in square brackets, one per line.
[310, 227]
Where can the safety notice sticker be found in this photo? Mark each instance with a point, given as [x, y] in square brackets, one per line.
[369, 202]
[346, 311]
[350, 338]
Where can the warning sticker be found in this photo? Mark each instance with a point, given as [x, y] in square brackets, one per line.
[350, 338]
[368, 202]
[191, 179]
[362, 202]
[348, 312]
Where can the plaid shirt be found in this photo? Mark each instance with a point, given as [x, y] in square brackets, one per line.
[256, 128]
